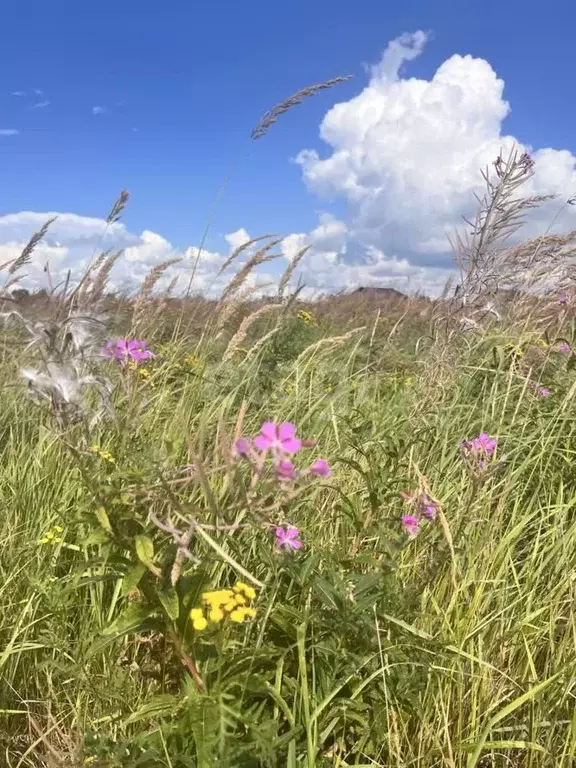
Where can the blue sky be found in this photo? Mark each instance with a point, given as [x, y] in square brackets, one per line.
[181, 84]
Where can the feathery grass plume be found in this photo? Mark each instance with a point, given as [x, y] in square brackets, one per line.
[225, 311]
[331, 341]
[147, 287]
[501, 213]
[118, 207]
[28, 249]
[240, 249]
[260, 257]
[95, 290]
[290, 269]
[242, 332]
[269, 118]
[164, 299]
[255, 348]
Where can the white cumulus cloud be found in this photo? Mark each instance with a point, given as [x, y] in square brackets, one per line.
[405, 154]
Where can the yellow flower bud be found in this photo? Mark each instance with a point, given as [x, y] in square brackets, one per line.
[200, 624]
[196, 613]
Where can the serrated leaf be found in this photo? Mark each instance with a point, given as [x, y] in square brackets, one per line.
[103, 519]
[145, 552]
[132, 577]
[169, 600]
[163, 705]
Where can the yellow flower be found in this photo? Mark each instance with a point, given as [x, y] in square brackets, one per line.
[106, 455]
[409, 381]
[198, 619]
[240, 599]
[238, 615]
[216, 615]
[307, 317]
[245, 589]
[200, 624]
[230, 606]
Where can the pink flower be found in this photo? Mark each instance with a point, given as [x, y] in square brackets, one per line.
[320, 468]
[281, 438]
[285, 470]
[481, 446]
[288, 538]
[242, 447]
[411, 525]
[563, 347]
[543, 391]
[427, 507]
[125, 350]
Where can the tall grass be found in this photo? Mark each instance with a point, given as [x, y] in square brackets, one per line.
[453, 648]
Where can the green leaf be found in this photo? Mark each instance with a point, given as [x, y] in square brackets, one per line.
[103, 519]
[130, 620]
[533, 693]
[506, 745]
[145, 551]
[163, 705]
[169, 599]
[132, 577]
[410, 628]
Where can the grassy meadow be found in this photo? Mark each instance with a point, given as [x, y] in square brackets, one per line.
[154, 607]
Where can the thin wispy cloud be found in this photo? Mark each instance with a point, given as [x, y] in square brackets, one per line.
[18, 93]
[38, 92]
[40, 104]
[98, 110]
[9, 132]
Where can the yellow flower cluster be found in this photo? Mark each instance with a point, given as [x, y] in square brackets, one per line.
[52, 536]
[194, 363]
[222, 604]
[106, 455]
[307, 317]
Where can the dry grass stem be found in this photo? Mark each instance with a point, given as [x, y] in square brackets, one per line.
[269, 118]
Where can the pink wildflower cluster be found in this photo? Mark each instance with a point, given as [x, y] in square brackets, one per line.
[128, 350]
[280, 443]
[423, 507]
[563, 348]
[479, 450]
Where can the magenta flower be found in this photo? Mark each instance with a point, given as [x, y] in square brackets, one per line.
[563, 347]
[411, 525]
[288, 538]
[543, 392]
[285, 470]
[427, 507]
[281, 438]
[481, 446]
[321, 468]
[125, 350]
[242, 446]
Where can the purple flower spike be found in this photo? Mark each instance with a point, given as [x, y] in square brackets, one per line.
[285, 470]
[280, 438]
[411, 525]
[288, 538]
[320, 468]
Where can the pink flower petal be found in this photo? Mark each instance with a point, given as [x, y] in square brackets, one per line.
[269, 430]
[286, 431]
[291, 445]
